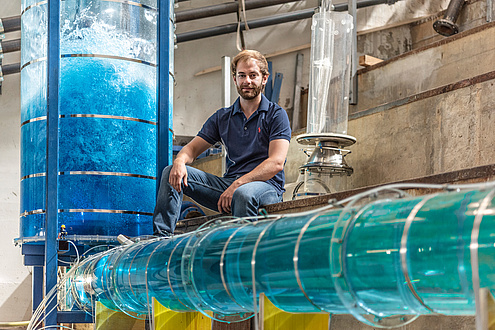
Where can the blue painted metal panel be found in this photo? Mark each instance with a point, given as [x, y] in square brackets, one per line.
[52, 158]
[74, 317]
[277, 85]
[269, 83]
[37, 286]
[165, 85]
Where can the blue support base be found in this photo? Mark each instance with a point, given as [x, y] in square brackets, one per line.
[34, 255]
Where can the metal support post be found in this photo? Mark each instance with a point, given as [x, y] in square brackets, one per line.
[51, 215]
[37, 286]
[226, 78]
[165, 86]
[353, 88]
[490, 10]
[296, 112]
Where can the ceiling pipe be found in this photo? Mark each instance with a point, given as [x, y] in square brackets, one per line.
[11, 24]
[230, 28]
[10, 46]
[446, 26]
[11, 68]
[224, 8]
[266, 21]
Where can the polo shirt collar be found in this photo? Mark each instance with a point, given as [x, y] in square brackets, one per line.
[264, 104]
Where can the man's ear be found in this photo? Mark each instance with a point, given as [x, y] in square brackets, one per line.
[265, 79]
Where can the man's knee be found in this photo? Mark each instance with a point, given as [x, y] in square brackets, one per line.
[165, 175]
[244, 198]
[166, 171]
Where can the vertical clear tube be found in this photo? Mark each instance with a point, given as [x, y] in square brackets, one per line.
[328, 103]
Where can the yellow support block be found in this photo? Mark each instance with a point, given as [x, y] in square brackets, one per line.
[107, 319]
[166, 319]
[273, 318]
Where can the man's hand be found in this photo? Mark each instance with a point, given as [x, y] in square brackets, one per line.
[178, 175]
[225, 199]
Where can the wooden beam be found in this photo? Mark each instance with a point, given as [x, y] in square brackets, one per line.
[367, 60]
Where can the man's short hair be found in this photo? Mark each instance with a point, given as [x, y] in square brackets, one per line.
[250, 54]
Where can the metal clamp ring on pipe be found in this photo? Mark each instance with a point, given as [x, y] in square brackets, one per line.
[37, 4]
[480, 324]
[403, 249]
[112, 57]
[296, 254]
[222, 261]
[168, 274]
[130, 267]
[146, 277]
[204, 234]
[253, 271]
[340, 253]
[253, 264]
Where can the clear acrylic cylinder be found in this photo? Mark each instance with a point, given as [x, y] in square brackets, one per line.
[107, 122]
[328, 102]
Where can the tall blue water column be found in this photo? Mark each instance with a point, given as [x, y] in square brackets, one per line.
[108, 117]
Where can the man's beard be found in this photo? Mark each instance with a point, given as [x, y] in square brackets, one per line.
[256, 90]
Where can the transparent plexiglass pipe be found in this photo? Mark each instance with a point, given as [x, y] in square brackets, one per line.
[404, 256]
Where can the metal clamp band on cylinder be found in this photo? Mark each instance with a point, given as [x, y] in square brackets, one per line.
[253, 272]
[187, 271]
[338, 264]
[338, 258]
[404, 251]
[190, 308]
[481, 322]
[200, 251]
[300, 282]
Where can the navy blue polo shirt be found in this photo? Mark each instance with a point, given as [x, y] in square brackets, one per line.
[247, 140]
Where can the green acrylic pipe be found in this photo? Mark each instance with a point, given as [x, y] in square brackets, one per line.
[385, 261]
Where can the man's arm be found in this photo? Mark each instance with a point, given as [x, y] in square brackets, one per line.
[188, 154]
[277, 152]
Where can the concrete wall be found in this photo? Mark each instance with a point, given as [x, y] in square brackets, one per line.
[15, 279]
[196, 98]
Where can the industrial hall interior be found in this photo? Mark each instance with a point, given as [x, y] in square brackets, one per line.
[247, 164]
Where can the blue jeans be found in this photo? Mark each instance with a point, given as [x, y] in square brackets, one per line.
[206, 189]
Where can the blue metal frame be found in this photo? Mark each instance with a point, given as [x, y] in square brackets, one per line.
[165, 86]
[165, 79]
[37, 285]
[34, 255]
[51, 215]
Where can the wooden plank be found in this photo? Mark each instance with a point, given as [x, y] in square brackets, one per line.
[267, 56]
[367, 60]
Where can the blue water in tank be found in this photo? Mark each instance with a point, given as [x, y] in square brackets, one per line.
[108, 118]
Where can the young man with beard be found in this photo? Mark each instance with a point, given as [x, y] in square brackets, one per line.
[255, 133]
